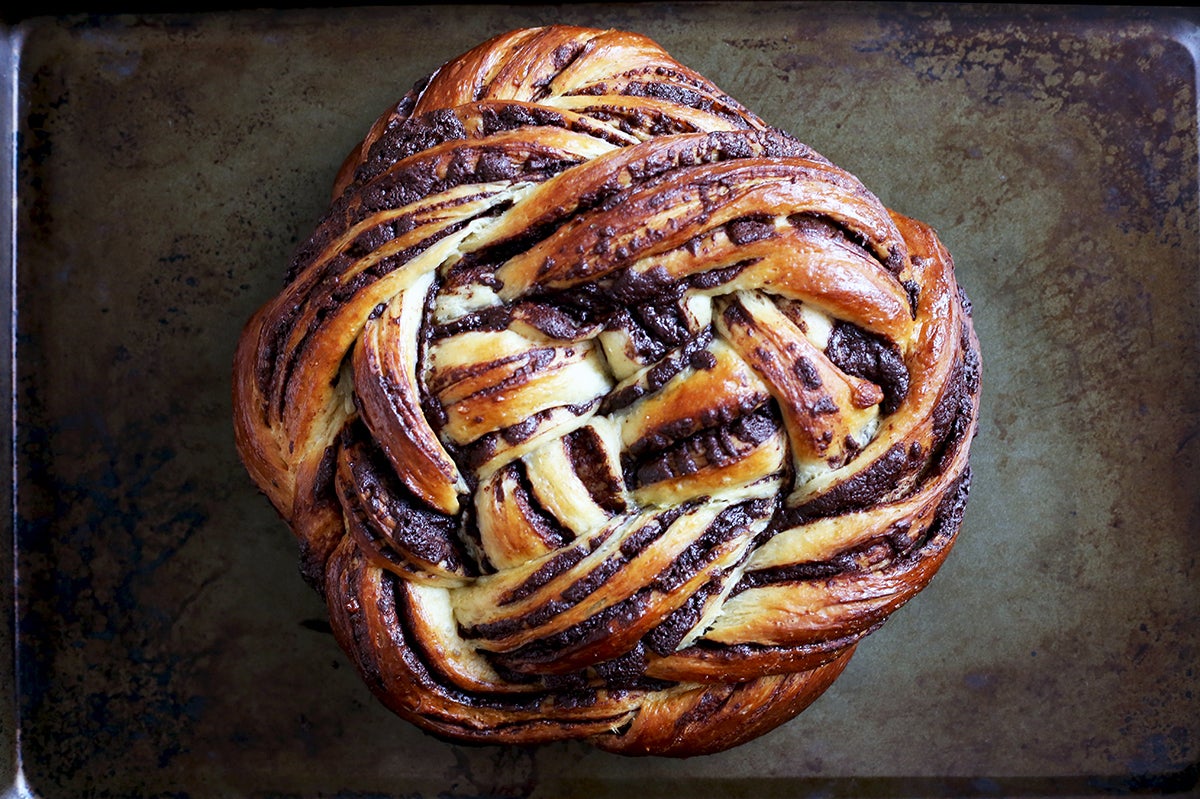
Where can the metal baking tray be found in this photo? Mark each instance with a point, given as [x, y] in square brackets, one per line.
[165, 166]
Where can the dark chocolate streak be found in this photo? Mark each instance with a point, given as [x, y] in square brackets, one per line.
[438, 127]
[595, 628]
[872, 357]
[860, 491]
[325, 294]
[560, 59]
[542, 521]
[899, 550]
[556, 323]
[716, 446]
[664, 321]
[884, 549]
[525, 364]
[323, 484]
[648, 347]
[680, 89]
[435, 413]
[666, 435]
[389, 509]
[475, 454]
[815, 226]
[733, 652]
[731, 523]
[693, 353]
[704, 281]
[665, 637]
[426, 173]
[645, 535]
[956, 409]
[621, 676]
[421, 666]
[950, 418]
[558, 564]
[472, 539]
[750, 229]
[654, 122]
[601, 252]
[585, 451]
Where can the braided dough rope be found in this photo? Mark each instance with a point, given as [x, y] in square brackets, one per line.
[603, 410]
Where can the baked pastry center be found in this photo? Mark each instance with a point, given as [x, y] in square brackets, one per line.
[601, 409]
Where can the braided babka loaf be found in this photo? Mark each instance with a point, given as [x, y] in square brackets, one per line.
[602, 409]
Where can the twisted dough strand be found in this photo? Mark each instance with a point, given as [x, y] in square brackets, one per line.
[601, 409]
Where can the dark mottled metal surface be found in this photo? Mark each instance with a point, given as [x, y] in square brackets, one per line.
[167, 166]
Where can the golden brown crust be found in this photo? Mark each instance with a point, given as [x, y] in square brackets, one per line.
[603, 410]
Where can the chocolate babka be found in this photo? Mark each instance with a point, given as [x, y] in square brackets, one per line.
[603, 410]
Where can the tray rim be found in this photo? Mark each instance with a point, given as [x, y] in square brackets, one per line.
[1178, 22]
[12, 782]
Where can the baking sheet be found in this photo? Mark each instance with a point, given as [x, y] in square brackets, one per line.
[166, 167]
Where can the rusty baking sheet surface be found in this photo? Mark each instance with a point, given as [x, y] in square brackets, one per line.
[166, 166]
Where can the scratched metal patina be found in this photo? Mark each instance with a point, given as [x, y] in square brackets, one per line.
[166, 168]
